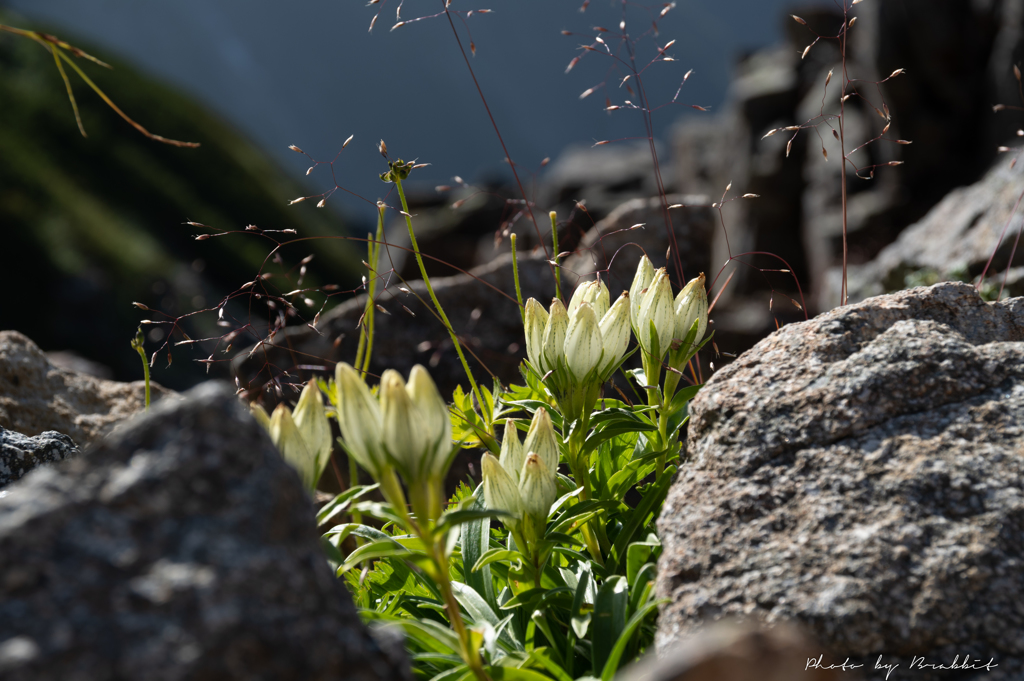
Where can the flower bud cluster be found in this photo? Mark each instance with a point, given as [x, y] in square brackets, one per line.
[522, 481]
[405, 428]
[661, 323]
[303, 437]
[577, 349]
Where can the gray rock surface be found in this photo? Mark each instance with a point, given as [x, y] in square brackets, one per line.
[614, 245]
[863, 474]
[953, 241]
[19, 453]
[729, 651]
[481, 307]
[36, 395]
[182, 547]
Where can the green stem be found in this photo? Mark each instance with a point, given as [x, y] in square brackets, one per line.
[515, 277]
[488, 417]
[581, 472]
[138, 344]
[470, 653]
[554, 240]
[366, 338]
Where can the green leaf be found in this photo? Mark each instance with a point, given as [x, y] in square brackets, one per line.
[450, 519]
[641, 588]
[477, 608]
[461, 673]
[562, 499]
[496, 554]
[474, 542]
[514, 674]
[542, 656]
[580, 622]
[340, 503]
[430, 635]
[637, 554]
[578, 511]
[383, 548]
[612, 664]
[637, 519]
[609, 619]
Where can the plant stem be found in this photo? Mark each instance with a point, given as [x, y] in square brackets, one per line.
[581, 472]
[362, 364]
[488, 417]
[515, 278]
[470, 654]
[554, 258]
[138, 344]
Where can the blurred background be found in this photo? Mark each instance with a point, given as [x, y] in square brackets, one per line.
[91, 225]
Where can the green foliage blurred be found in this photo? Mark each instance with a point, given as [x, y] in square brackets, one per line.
[89, 225]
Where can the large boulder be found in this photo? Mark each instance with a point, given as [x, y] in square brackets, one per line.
[862, 473]
[953, 241]
[36, 395]
[182, 547]
[19, 453]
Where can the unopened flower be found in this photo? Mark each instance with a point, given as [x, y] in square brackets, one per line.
[512, 454]
[535, 324]
[304, 437]
[541, 440]
[501, 492]
[293, 448]
[583, 346]
[593, 292]
[416, 426]
[614, 334]
[641, 281]
[537, 491]
[359, 418]
[656, 310]
[311, 420]
[554, 337]
[691, 305]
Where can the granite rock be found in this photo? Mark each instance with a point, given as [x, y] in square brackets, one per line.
[729, 651]
[181, 547]
[953, 241]
[862, 473]
[36, 395]
[19, 453]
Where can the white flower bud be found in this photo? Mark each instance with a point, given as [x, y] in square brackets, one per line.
[593, 292]
[583, 346]
[641, 281]
[535, 320]
[542, 440]
[359, 418]
[311, 420]
[657, 308]
[554, 337]
[403, 434]
[691, 305]
[291, 445]
[537, 489]
[512, 452]
[615, 334]
[433, 419]
[261, 415]
[500, 491]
